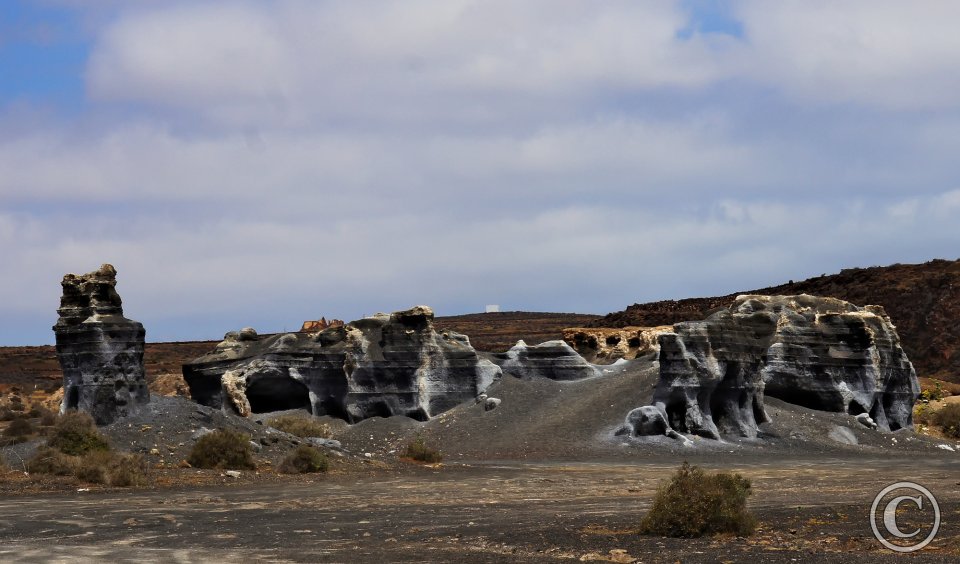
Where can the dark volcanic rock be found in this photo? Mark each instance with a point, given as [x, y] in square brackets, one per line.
[553, 359]
[821, 353]
[379, 366]
[100, 351]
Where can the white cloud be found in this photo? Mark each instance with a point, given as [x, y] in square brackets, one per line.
[261, 162]
[886, 53]
[294, 62]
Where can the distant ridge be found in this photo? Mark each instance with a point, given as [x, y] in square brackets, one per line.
[923, 300]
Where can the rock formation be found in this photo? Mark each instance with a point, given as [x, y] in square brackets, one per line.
[607, 345]
[821, 353]
[553, 359]
[378, 366]
[319, 325]
[100, 351]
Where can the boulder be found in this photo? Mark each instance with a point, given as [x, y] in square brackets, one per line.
[100, 351]
[555, 360]
[820, 353]
[377, 366]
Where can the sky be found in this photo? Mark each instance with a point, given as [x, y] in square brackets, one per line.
[258, 163]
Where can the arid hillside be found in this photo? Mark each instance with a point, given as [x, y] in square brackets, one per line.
[923, 300]
[496, 332]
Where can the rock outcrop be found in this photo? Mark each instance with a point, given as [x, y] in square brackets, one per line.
[607, 345]
[378, 366]
[100, 351]
[821, 353]
[553, 359]
[319, 325]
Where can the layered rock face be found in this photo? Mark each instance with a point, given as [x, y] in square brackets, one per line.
[553, 359]
[607, 345]
[100, 351]
[821, 353]
[379, 366]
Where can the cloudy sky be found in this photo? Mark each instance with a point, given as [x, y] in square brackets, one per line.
[263, 162]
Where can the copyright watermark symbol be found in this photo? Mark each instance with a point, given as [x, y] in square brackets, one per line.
[905, 517]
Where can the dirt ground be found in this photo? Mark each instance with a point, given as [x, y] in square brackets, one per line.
[809, 510]
[541, 478]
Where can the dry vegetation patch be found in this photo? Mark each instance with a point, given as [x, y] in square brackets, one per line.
[420, 452]
[303, 427]
[304, 460]
[694, 503]
[225, 449]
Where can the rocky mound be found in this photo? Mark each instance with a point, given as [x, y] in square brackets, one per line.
[922, 300]
[100, 351]
[555, 360]
[821, 353]
[379, 366]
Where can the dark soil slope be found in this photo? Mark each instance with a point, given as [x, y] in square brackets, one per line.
[923, 300]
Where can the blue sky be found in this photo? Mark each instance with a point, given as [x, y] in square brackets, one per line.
[260, 163]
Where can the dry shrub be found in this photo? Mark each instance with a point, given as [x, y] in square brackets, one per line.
[948, 419]
[48, 418]
[304, 460]
[694, 503]
[18, 428]
[95, 467]
[419, 451]
[75, 434]
[224, 448]
[304, 427]
[51, 461]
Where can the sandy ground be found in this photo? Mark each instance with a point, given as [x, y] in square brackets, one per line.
[810, 510]
[541, 478]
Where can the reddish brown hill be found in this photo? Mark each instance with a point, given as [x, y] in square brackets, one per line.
[37, 367]
[923, 300]
[500, 331]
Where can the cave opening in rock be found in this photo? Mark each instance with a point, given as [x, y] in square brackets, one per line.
[820, 400]
[73, 397]
[277, 394]
[854, 408]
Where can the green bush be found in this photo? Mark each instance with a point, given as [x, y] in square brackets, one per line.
[694, 503]
[223, 448]
[304, 460]
[300, 426]
[948, 419]
[419, 451]
[75, 434]
[18, 428]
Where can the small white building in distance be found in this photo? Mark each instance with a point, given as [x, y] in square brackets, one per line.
[493, 309]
